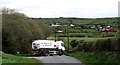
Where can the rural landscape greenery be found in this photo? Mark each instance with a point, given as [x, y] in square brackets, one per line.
[87, 42]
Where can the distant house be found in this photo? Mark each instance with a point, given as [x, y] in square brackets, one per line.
[101, 27]
[108, 26]
[93, 26]
[55, 25]
[109, 30]
[72, 25]
[59, 31]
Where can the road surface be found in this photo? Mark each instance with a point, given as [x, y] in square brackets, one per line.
[58, 60]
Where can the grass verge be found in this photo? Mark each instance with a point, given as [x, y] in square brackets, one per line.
[8, 59]
[99, 59]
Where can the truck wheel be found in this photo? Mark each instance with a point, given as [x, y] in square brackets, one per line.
[34, 54]
[46, 53]
[60, 52]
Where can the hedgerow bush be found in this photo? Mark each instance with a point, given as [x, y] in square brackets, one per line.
[74, 43]
[101, 46]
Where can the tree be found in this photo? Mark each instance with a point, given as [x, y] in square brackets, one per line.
[19, 31]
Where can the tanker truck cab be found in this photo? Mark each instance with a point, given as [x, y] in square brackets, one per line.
[60, 45]
[48, 47]
[35, 45]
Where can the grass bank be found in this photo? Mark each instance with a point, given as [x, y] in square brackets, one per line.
[98, 59]
[8, 59]
[0, 57]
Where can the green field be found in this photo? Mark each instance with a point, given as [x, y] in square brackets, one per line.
[87, 39]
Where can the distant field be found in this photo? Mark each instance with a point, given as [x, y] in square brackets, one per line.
[87, 39]
[83, 25]
[79, 20]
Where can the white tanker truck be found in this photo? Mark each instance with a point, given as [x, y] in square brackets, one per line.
[47, 47]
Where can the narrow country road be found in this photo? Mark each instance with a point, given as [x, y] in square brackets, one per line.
[58, 60]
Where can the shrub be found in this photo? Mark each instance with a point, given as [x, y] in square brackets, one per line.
[74, 43]
[107, 35]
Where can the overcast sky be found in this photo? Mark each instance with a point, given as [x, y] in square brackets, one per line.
[64, 8]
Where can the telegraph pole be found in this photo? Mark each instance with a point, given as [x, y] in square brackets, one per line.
[55, 34]
[68, 35]
[55, 29]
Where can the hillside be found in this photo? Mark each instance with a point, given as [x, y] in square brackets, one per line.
[83, 27]
[79, 20]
